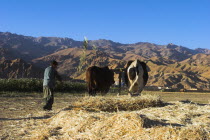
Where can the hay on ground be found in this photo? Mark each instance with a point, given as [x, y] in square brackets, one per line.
[125, 118]
[118, 103]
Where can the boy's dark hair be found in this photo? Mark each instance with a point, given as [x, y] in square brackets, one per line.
[54, 63]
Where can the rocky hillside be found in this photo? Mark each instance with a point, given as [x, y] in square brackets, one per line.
[171, 65]
[163, 72]
[18, 68]
[30, 48]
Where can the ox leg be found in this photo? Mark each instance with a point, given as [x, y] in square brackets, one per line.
[90, 91]
[94, 92]
[105, 91]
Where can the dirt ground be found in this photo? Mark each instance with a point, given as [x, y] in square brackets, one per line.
[15, 111]
[197, 97]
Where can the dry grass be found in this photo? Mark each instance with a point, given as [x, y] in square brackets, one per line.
[121, 117]
[118, 103]
[86, 119]
[121, 125]
[85, 125]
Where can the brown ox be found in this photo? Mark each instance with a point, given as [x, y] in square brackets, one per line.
[99, 79]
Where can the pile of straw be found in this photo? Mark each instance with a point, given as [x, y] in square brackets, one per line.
[118, 103]
[122, 125]
[111, 118]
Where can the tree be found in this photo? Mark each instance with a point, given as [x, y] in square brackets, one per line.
[83, 55]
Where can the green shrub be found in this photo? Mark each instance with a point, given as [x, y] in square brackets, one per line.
[36, 85]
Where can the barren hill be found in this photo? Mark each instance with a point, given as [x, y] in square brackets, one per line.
[163, 72]
[30, 48]
[68, 60]
[171, 65]
[18, 68]
[198, 59]
[34, 47]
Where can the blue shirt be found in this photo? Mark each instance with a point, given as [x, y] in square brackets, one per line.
[50, 74]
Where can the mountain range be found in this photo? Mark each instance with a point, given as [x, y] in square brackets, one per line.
[170, 65]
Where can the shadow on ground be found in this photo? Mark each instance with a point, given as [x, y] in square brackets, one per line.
[28, 118]
[148, 123]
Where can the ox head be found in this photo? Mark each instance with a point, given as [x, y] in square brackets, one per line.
[137, 76]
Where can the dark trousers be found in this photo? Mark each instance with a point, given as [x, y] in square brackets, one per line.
[48, 98]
